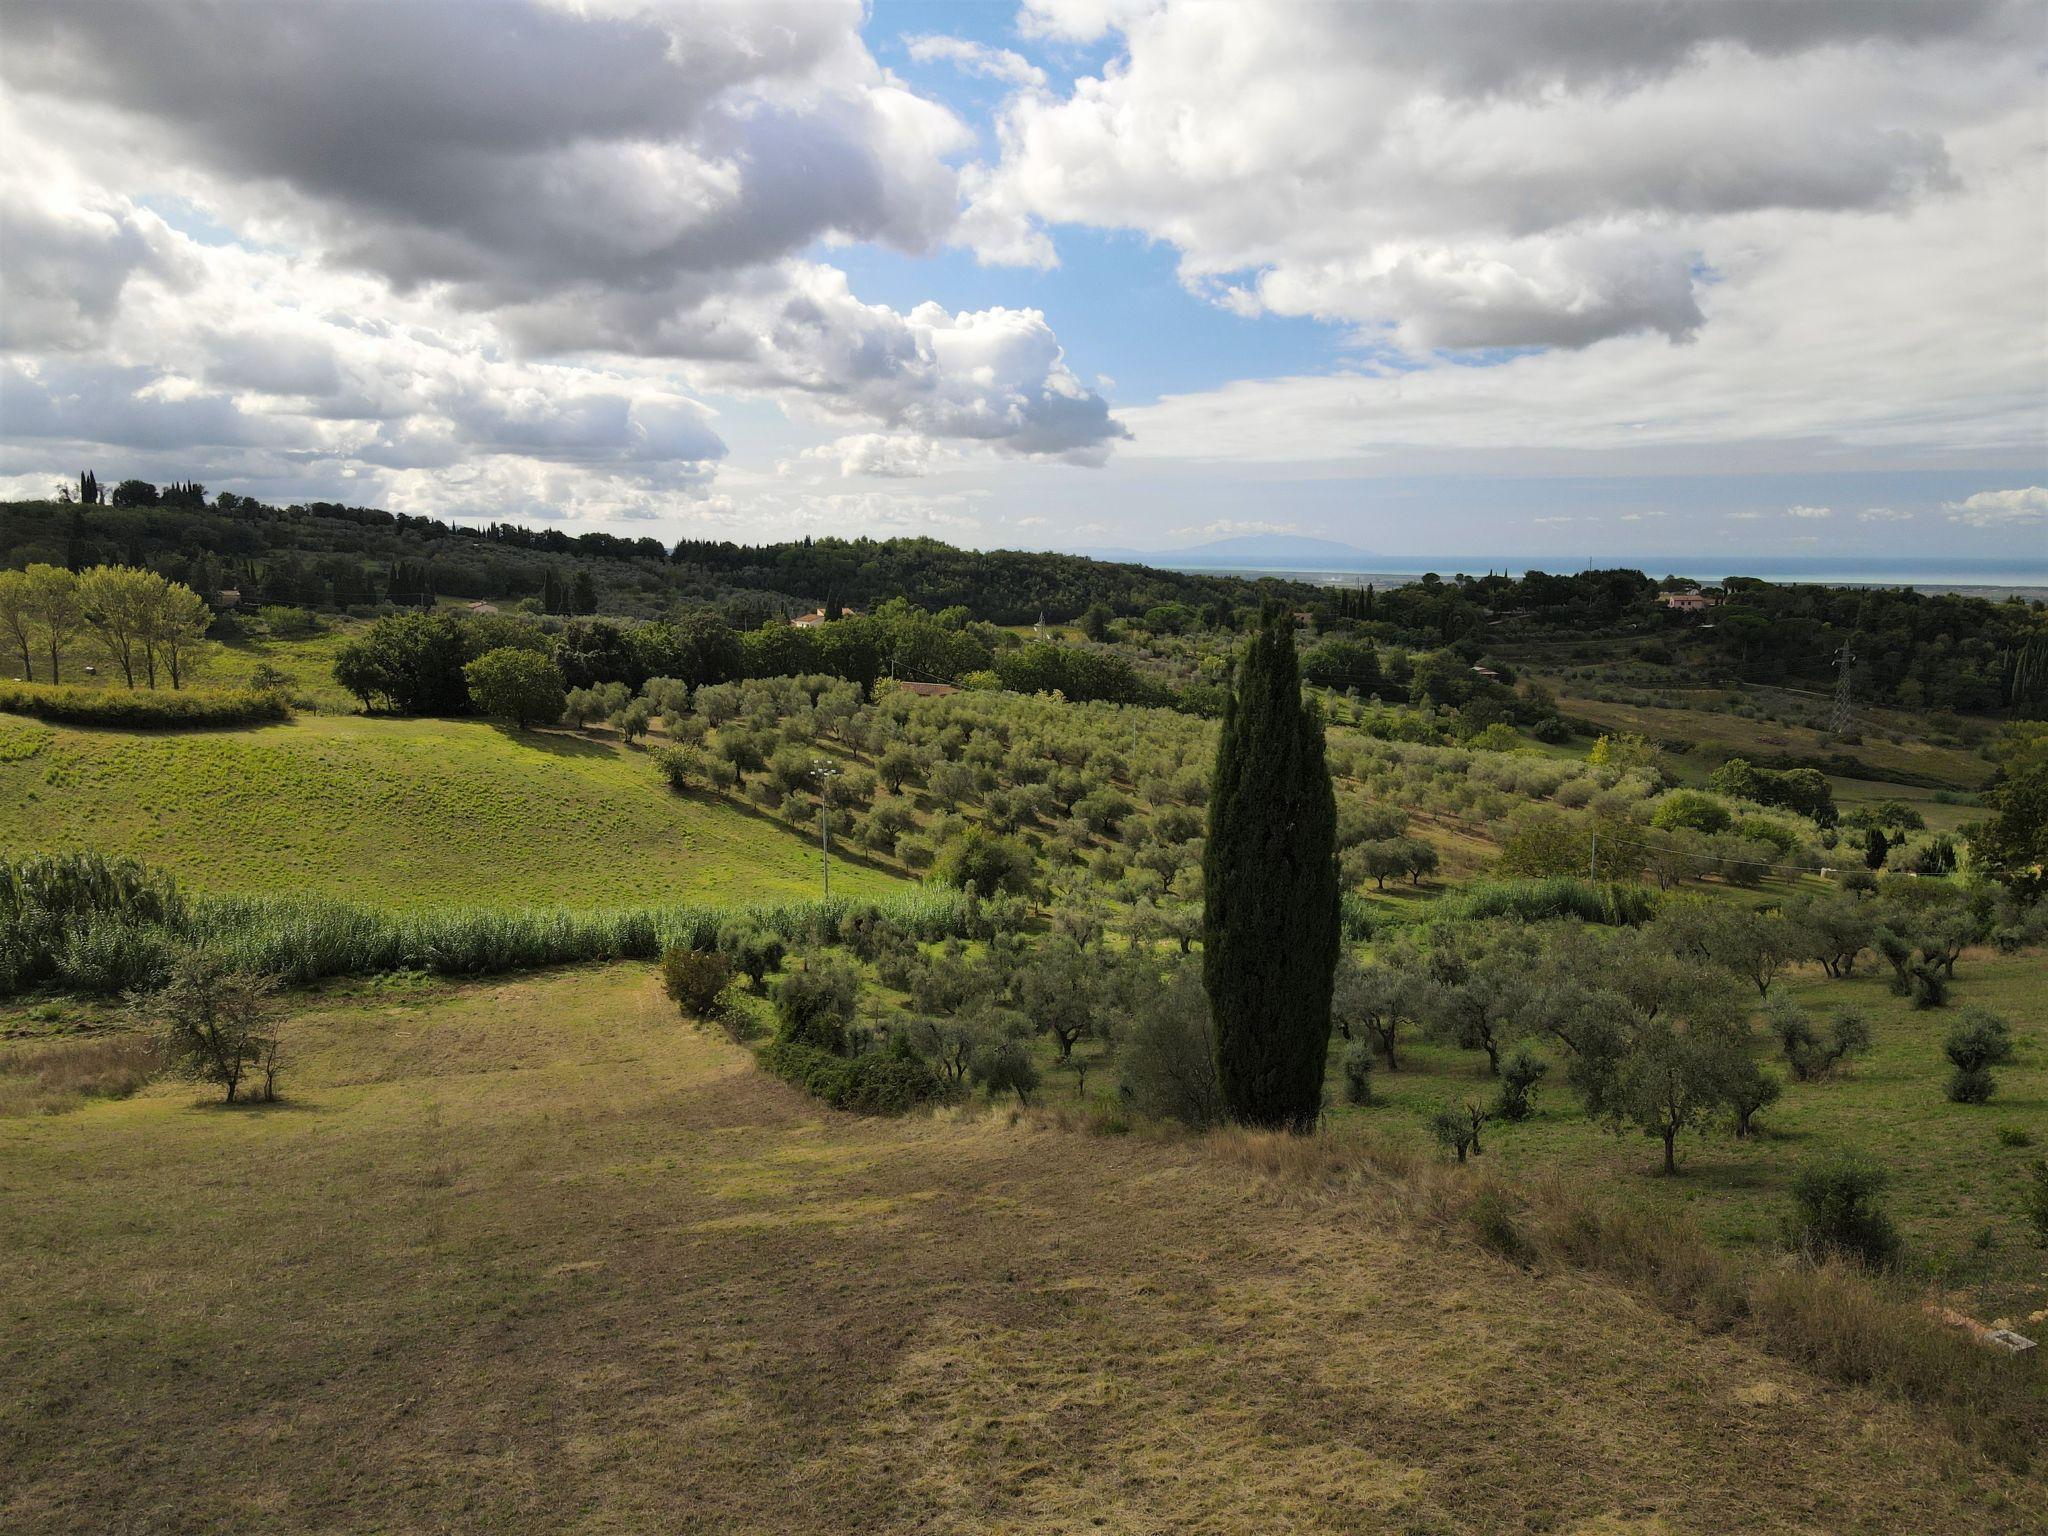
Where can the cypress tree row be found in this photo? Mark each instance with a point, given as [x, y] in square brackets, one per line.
[1269, 881]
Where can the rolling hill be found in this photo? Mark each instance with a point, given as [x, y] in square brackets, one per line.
[399, 813]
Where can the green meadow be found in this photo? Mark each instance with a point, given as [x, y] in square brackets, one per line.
[400, 813]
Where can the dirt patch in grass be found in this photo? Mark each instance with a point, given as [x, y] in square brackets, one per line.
[537, 1257]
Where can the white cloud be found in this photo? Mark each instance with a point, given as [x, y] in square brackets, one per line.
[898, 456]
[1839, 333]
[1744, 517]
[386, 267]
[977, 59]
[1810, 514]
[1997, 509]
[1541, 177]
[1883, 515]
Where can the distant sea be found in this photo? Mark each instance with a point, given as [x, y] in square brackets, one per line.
[2028, 577]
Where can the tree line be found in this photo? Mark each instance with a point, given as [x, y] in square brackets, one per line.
[152, 629]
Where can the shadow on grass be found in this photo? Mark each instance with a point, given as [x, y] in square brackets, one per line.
[278, 1106]
[555, 743]
[842, 853]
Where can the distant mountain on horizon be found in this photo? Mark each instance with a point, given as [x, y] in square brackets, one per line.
[1256, 551]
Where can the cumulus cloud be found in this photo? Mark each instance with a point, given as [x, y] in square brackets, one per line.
[976, 59]
[1809, 514]
[1546, 178]
[883, 455]
[2000, 509]
[433, 235]
[1883, 515]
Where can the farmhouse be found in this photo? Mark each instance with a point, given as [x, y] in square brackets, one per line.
[1686, 602]
[816, 617]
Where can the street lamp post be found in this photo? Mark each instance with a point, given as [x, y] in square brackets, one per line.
[824, 773]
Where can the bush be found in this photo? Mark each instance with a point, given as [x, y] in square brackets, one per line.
[1691, 810]
[1005, 1066]
[681, 766]
[1537, 900]
[1494, 1221]
[874, 1083]
[694, 980]
[815, 1004]
[1455, 1129]
[1168, 1060]
[1838, 1213]
[753, 950]
[1979, 1042]
[1520, 1071]
[1358, 1073]
[144, 709]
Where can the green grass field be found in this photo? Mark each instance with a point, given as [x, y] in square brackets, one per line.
[399, 813]
[534, 1256]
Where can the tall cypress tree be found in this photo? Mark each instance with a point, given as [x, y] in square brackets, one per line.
[1269, 883]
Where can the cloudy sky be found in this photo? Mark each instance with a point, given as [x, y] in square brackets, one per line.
[1521, 278]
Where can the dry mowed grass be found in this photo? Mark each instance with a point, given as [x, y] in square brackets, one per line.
[534, 1256]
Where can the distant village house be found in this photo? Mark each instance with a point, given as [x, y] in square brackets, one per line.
[816, 617]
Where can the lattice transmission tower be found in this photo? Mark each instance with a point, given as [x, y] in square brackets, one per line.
[1844, 712]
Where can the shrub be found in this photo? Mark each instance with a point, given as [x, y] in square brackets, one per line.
[694, 980]
[1537, 900]
[1520, 1071]
[1689, 809]
[1456, 1130]
[1837, 1212]
[1979, 1042]
[1495, 1221]
[874, 1083]
[1168, 1060]
[815, 1004]
[753, 950]
[681, 766]
[1358, 1073]
[1005, 1066]
[144, 709]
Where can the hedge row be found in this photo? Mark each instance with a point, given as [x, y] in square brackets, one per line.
[143, 708]
[874, 1083]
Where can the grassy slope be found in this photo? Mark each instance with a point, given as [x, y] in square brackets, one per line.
[536, 1257]
[397, 812]
[1713, 726]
